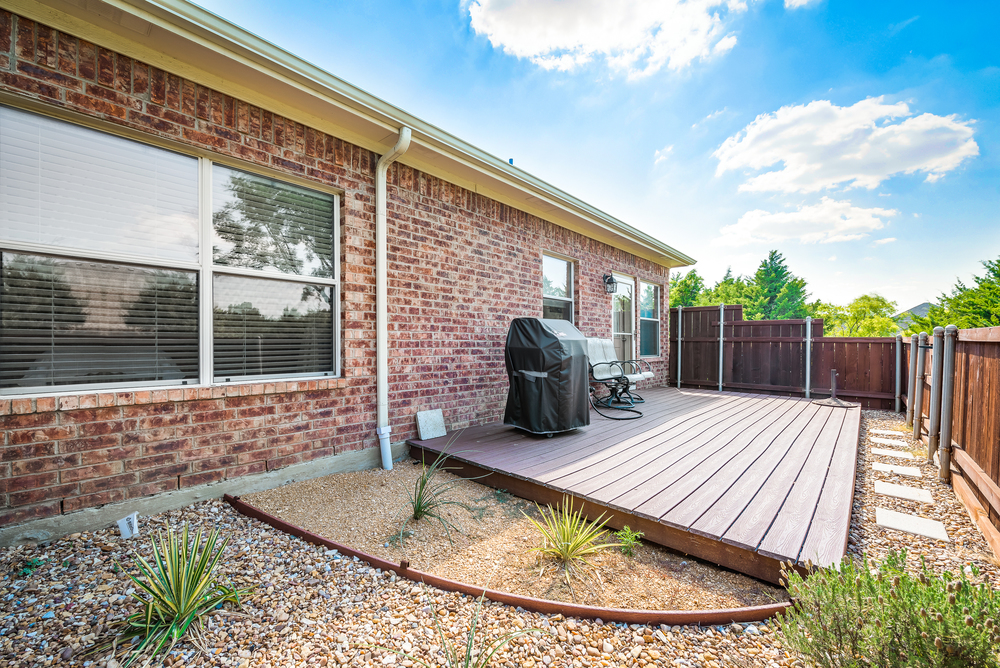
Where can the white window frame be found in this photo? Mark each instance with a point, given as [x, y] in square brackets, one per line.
[625, 278]
[205, 268]
[658, 319]
[572, 283]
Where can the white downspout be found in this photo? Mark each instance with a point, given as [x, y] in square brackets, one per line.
[382, 296]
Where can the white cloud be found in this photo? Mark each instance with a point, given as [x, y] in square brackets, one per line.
[714, 114]
[820, 145]
[663, 154]
[795, 4]
[887, 240]
[896, 27]
[826, 222]
[832, 258]
[639, 37]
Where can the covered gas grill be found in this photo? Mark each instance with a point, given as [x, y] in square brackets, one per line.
[548, 371]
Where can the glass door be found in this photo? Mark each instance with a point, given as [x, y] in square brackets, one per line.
[623, 318]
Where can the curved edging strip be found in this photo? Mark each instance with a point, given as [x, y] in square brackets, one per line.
[669, 617]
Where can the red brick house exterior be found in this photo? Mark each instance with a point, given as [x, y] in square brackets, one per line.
[461, 266]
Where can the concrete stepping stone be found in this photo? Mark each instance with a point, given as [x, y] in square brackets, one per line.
[889, 441]
[920, 526]
[903, 492]
[892, 453]
[890, 432]
[908, 471]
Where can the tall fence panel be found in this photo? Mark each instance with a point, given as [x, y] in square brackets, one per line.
[769, 356]
[976, 409]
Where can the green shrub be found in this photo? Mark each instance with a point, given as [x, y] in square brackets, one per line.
[627, 540]
[569, 538]
[179, 589]
[886, 618]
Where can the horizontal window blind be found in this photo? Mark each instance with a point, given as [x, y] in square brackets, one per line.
[71, 187]
[261, 223]
[267, 327]
[74, 322]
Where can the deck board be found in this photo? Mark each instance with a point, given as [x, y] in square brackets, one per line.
[743, 480]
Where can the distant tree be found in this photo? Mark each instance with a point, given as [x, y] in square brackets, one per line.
[867, 315]
[780, 294]
[730, 290]
[832, 315]
[685, 288]
[966, 307]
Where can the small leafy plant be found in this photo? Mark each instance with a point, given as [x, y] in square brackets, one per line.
[180, 589]
[457, 656]
[569, 538]
[858, 616]
[627, 540]
[31, 565]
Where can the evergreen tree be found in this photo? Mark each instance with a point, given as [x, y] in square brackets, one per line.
[966, 307]
[685, 288]
[730, 290]
[780, 294]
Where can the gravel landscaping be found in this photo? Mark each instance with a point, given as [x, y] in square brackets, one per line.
[491, 543]
[967, 544]
[314, 607]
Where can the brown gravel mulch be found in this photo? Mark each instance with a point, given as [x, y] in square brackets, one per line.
[492, 543]
[967, 546]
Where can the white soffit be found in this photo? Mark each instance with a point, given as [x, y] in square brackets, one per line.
[186, 40]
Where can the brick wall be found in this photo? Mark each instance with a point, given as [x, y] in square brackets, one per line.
[461, 266]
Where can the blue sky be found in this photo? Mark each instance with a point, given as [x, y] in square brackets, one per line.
[860, 139]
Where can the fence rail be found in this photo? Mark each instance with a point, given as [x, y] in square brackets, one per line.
[777, 357]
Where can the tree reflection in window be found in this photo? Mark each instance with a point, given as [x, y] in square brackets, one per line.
[268, 225]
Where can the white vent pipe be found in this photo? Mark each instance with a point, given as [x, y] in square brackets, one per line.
[382, 296]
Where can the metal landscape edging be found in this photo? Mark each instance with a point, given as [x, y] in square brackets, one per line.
[757, 613]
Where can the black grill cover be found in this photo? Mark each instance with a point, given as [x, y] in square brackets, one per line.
[548, 372]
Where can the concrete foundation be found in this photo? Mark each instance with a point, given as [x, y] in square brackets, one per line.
[92, 519]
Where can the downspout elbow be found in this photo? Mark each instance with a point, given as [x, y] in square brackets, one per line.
[382, 296]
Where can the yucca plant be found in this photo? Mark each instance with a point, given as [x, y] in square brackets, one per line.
[429, 496]
[180, 589]
[470, 657]
[568, 537]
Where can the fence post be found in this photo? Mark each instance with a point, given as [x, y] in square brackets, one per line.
[947, 402]
[918, 401]
[934, 425]
[809, 351]
[899, 371]
[680, 328]
[722, 338]
[910, 392]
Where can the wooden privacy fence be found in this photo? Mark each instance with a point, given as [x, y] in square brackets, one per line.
[786, 357]
[955, 409]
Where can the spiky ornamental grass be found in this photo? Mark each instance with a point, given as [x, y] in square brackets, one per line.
[429, 496]
[568, 537]
[179, 589]
[872, 615]
[471, 657]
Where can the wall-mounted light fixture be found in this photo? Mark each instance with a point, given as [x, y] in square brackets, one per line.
[610, 284]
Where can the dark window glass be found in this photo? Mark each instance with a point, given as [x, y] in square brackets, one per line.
[649, 338]
[70, 322]
[269, 327]
[557, 309]
[265, 224]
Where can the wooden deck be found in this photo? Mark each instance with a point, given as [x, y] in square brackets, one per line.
[742, 480]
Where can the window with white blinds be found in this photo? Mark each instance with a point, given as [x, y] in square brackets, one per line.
[102, 282]
[71, 188]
